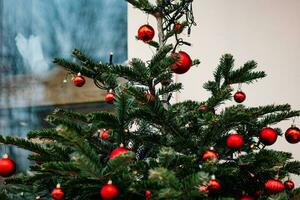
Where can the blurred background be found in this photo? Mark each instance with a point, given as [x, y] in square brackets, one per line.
[32, 33]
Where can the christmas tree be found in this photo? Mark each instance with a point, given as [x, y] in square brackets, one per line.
[148, 148]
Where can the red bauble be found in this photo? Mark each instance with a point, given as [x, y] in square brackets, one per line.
[183, 63]
[178, 27]
[146, 33]
[104, 134]
[150, 96]
[245, 197]
[148, 194]
[79, 80]
[57, 193]
[268, 136]
[109, 191]
[214, 184]
[273, 186]
[289, 185]
[7, 166]
[210, 154]
[118, 151]
[239, 96]
[292, 135]
[235, 141]
[110, 97]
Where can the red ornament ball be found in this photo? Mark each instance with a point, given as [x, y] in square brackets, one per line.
[109, 191]
[146, 33]
[57, 193]
[210, 154]
[292, 135]
[214, 185]
[289, 185]
[235, 141]
[118, 151]
[273, 186]
[150, 96]
[182, 64]
[79, 80]
[148, 194]
[239, 96]
[7, 166]
[104, 134]
[178, 27]
[245, 197]
[268, 136]
[110, 97]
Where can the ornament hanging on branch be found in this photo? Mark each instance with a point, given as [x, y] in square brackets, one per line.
[235, 141]
[292, 134]
[183, 62]
[78, 80]
[148, 194]
[273, 186]
[104, 134]
[289, 185]
[246, 197]
[214, 184]
[150, 96]
[178, 27]
[7, 166]
[109, 191]
[118, 151]
[57, 193]
[110, 97]
[268, 136]
[146, 33]
[210, 154]
[239, 96]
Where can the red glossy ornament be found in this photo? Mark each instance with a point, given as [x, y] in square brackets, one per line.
[7, 166]
[273, 186]
[57, 193]
[104, 134]
[150, 96]
[214, 184]
[178, 27]
[110, 97]
[268, 136]
[148, 194]
[239, 96]
[182, 64]
[79, 80]
[292, 135]
[118, 151]
[245, 197]
[289, 185]
[210, 154]
[146, 33]
[235, 141]
[109, 191]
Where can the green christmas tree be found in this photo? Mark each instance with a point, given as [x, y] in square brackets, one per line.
[148, 148]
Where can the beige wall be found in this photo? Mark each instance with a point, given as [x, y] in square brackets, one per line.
[267, 31]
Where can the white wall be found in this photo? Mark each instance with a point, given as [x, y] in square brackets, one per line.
[267, 31]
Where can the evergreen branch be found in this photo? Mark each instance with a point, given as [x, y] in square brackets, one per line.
[278, 117]
[263, 110]
[143, 5]
[70, 114]
[44, 134]
[166, 76]
[102, 116]
[84, 60]
[139, 66]
[61, 167]
[158, 57]
[170, 88]
[129, 74]
[56, 120]
[292, 167]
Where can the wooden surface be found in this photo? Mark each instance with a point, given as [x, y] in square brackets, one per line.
[27, 91]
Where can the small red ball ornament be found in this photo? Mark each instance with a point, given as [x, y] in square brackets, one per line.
[118, 151]
[289, 185]
[268, 136]
[273, 186]
[178, 27]
[150, 96]
[57, 193]
[109, 191]
[110, 97]
[292, 135]
[183, 63]
[148, 194]
[210, 154]
[146, 33]
[7, 166]
[104, 134]
[235, 141]
[79, 80]
[239, 96]
[214, 184]
[245, 197]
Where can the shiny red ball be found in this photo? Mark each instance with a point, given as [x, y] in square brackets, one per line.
[239, 96]
[104, 134]
[118, 151]
[289, 185]
[7, 167]
[245, 197]
[292, 135]
[148, 194]
[268, 136]
[109, 191]
[178, 27]
[182, 64]
[110, 97]
[273, 186]
[235, 141]
[146, 33]
[79, 81]
[210, 154]
[214, 185]
[57, 193]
